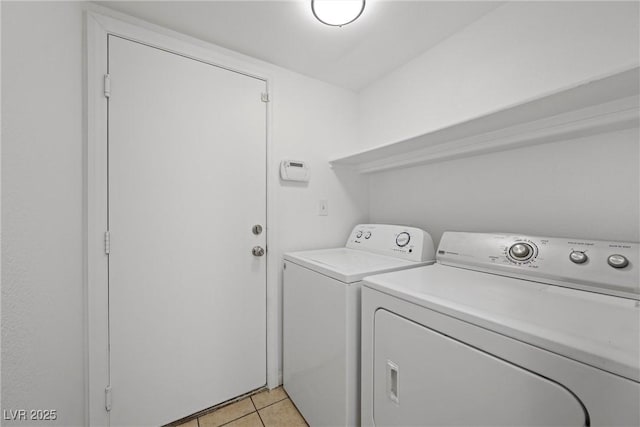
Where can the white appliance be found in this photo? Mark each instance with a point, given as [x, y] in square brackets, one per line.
[505, 330]
[321, 316]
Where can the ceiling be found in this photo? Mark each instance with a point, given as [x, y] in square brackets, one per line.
[387, 35]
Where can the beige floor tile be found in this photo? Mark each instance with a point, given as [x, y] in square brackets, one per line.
[192, 423]
[268, 397]
[251, 420]
[227, 413]
[281, 414]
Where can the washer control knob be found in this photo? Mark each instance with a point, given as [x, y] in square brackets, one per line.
[578, 257]
[618, 261]
[358, 234]
[403, 239]
[521, 251]
[367, 235]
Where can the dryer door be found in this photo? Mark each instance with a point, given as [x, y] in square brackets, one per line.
[424, 378]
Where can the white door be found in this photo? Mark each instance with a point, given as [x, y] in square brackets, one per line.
[424, 378]
[187, 298]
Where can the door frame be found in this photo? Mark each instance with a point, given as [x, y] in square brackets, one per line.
[98, 27]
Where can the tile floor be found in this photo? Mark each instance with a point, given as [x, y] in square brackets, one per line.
[269, 408]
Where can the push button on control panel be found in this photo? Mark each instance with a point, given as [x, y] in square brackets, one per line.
[578, 257]
[618, 261]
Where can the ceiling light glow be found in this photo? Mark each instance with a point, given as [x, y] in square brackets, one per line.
[337, 12]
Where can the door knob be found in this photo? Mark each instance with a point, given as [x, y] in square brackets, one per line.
[257, 251]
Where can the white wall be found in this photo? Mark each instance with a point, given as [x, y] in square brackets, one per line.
[516, 52]
[42, 246]
[43, 318]
[585, 188]
[311, 121]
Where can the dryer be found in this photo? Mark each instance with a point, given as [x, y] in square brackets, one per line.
[321, 316]
[505, 330]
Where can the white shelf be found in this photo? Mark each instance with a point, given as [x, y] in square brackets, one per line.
[602, 105]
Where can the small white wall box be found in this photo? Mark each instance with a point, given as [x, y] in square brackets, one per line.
[294, 170]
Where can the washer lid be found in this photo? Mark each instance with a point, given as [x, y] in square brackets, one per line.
[600, 330]
[349, 265]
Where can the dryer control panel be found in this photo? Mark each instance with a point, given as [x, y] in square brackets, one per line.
[410, 243]
[594, 265]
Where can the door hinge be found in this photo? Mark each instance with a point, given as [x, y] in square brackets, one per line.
[107, 242]
[107, 398]
[107, 86]
[264, 96]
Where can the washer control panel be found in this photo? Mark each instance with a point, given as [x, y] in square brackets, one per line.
[409, 243]
[599, 266]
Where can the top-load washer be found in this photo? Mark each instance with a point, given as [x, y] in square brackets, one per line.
[321, 316]
[505, 330]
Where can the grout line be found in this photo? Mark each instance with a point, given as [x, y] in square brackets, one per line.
[272, 403]
[256, 408]
[260, 416]
[236, 419]
[229, 402]
[215, 408]
[257, 412]
[241, 416]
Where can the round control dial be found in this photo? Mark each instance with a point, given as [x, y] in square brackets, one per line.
[358, 234]
[403, 239]
[618, 261]
[578, 257]
[367, 235]
[521, 251]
